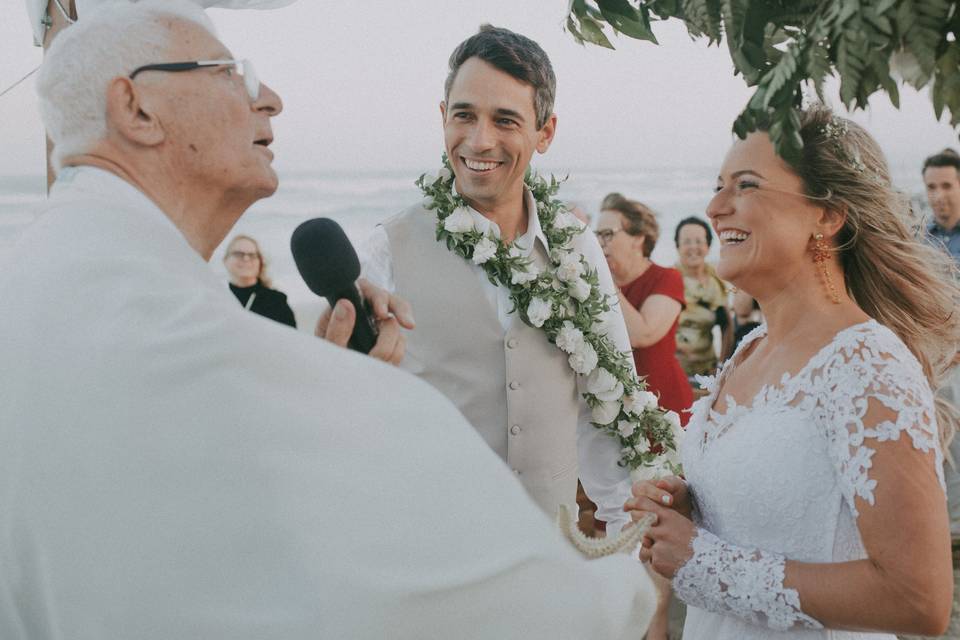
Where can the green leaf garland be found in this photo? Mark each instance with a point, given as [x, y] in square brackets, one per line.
[566, 303]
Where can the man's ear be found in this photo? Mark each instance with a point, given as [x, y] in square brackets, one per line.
[131, 115]
[443, 112]
[546, 133]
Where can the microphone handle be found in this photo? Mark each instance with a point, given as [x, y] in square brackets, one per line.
[364, 334]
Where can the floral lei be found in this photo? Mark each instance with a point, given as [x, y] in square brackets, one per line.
[564, 301]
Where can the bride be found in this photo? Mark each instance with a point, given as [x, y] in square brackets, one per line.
[814, 493]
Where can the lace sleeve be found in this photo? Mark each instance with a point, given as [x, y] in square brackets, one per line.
[746, 583]
[870, 390]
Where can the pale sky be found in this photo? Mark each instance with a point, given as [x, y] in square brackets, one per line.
[361, 83]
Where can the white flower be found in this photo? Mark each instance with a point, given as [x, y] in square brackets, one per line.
[604, 385]
[427, 202]
[584, 359]
[606, 412]
[639, 402]
[523, 275]
[570, 268]
[539, 311]
[626, 428]
[580, 289]
[642, 446]
[569, 338]
[428, 179]
[460, 221]
[444, 174]
[484, 250]
[602, 323]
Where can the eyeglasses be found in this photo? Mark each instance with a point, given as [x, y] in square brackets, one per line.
[606, 235]
[244, 255]
[244, 67]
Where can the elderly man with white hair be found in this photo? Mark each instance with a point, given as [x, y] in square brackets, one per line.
[172, 467]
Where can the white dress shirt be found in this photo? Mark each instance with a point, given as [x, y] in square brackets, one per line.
[606, 483]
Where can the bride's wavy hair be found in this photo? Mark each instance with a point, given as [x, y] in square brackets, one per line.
[896, 277]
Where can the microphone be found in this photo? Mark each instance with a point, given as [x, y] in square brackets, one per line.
[330, 267]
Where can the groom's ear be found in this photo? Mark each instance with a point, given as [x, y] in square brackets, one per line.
[443, 112]
[546, 133]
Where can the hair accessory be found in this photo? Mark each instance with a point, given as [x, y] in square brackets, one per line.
[836, 130]
[820, 256]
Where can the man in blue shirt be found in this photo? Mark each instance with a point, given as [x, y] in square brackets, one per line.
[941, 175]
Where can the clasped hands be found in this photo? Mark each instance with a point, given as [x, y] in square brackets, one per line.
[390, 312]
[667, 543]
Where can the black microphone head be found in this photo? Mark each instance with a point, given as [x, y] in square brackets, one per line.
[324, 256]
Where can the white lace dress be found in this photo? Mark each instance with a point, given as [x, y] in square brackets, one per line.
[777, 479]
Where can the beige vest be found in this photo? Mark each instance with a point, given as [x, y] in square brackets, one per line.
[516, 389]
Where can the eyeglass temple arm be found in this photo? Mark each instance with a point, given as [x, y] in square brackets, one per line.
[183, 66]
[168, 66]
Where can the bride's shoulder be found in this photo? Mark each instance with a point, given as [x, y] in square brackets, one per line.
[872, 347]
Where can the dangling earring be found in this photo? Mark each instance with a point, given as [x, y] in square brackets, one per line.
[820, 256]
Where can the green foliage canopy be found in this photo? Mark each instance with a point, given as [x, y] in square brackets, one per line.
[780, 45]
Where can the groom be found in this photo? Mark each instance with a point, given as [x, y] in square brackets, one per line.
[511, 383]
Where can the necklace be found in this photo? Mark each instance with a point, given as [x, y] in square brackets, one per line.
[564, 301]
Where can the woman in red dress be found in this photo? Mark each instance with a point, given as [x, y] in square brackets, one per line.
[651, 298]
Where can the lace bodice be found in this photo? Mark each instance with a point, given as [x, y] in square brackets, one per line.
[778, 478]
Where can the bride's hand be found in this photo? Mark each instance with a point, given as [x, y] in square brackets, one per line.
[669, 491]
[668, 543]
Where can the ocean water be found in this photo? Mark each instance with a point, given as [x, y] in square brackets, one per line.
[359, 200]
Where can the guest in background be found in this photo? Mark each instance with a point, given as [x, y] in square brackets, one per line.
[250, 283]
[941, 176]
[706, 296]
[651, 298]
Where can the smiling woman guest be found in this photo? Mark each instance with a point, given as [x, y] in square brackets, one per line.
[814, 492]
[251, 285]
[706, 296]
[651, 298]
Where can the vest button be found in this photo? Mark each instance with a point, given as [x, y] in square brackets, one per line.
[512, 343]
[515, 430]
[514, 385]
[517, 471]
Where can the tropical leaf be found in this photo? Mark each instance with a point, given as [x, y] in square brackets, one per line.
[703, 18]
[623, 17]
[778, 45]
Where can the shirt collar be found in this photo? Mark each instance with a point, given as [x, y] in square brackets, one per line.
[525, 242]
[102, 183]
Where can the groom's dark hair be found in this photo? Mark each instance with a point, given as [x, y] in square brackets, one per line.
[515, 55]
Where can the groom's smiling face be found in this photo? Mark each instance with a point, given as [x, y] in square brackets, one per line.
[490, 133]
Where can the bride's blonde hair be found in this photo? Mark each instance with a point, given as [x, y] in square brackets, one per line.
[894, 276]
